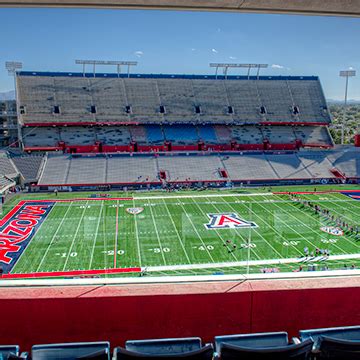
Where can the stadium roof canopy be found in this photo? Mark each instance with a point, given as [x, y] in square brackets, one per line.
[309, 7]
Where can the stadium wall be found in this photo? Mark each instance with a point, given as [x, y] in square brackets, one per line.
[33, 315]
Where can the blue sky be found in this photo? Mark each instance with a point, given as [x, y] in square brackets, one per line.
[182, 42]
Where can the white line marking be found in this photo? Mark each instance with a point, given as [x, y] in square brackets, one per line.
[96, 234]
[177, 233]
[157, 233]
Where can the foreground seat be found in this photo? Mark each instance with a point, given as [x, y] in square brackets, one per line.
[189, 348]
[336, 349]
[300, 351]
[72, 351]
[340, 333]
[271, 339]
[164, 346]
[9, 350]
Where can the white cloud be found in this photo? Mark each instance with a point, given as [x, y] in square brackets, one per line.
[232, 57]
[277, 66]
[351, 68]
[138, 53]
[193, 49]
[214, 51]
[218, 30]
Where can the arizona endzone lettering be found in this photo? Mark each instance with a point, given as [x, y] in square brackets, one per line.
[18, 228]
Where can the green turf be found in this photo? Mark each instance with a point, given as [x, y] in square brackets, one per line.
[81, 235]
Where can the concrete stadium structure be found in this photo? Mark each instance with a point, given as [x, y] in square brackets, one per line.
[313, 7]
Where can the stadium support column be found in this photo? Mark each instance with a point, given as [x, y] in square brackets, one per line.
[346, 74]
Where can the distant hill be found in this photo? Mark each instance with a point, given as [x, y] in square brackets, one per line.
[341, 102]
[7, 95]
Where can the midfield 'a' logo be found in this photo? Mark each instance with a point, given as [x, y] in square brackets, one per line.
[228, 221]
[135, 210]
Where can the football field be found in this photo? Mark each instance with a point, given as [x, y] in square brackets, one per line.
[199, 233]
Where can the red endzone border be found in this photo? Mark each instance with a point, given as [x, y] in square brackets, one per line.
[314, 192]
[71, 273]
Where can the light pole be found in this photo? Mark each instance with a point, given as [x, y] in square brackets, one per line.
[12, 67]
[346, 74]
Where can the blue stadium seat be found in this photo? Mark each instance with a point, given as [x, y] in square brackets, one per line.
[154, 134]
[336, 349]
[181, 134]
[340, 333]
[204, 353]
[300, 351]
[72, 351]
[207, 134]
[259, 340]
[6, 350]
[164, 346]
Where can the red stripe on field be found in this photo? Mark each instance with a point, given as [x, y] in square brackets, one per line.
[313, 192]
[70, 273]
[79, 199]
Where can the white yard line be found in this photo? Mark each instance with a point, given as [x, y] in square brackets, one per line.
[74, 237]
[177, 232]
[96, 234]
[252, 263]
[53, 237]
[197, 233]
[177, 196]
[137, 236]
[157, 233]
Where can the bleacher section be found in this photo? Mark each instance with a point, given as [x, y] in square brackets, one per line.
[139, 169]
[247, 167]
[151, 135]
[111, 113]
[74, 94]
[7, 167]
[190, 168]
[29, 166]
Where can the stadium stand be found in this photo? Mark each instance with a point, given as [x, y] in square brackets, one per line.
[126, 170]
[7, 167]
[29, 166]
[190, 168]
[288, 166]
[190, 104]
[194, 167]
[246, 167]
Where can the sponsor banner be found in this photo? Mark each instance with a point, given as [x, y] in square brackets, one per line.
[353, 195]
[135, 210]
[228, 221]
[332, 230]
[17, 229]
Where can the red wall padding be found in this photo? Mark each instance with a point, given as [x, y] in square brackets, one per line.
[119, 313]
